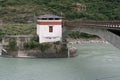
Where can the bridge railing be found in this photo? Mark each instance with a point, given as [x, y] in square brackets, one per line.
[115, 24]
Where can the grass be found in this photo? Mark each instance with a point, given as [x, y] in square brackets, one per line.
[18, 29]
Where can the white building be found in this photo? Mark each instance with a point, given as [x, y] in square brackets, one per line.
[49, 28]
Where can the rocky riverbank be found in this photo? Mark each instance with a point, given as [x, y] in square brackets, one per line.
[71, 52]
[85, 41]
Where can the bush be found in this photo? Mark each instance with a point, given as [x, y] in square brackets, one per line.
[44, 46]
[57, 42]
[77, 35]
[1, 35]
[31, 45]
[35, 38]
[34, 44]
[63, 49]
[12, 45]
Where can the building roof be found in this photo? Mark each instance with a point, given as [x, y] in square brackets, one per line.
[49, 16]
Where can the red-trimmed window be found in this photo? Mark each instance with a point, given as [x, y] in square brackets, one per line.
[50, 28]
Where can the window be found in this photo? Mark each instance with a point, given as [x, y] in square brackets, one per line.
[50, 28]
[50, 19]
[57, 18]
[43, 18]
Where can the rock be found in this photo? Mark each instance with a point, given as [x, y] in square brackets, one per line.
[73, 52]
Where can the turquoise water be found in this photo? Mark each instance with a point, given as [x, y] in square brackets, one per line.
[94, 62]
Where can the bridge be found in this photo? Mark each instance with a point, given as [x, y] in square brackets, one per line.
[108, 30]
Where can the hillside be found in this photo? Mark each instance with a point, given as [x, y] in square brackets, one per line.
[23, 11]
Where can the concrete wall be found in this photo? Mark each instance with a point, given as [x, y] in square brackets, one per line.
[45, 35]
[20, 39]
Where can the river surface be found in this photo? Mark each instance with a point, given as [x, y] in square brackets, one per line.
[94, 62]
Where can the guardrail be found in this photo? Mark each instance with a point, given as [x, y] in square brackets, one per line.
[113, 24]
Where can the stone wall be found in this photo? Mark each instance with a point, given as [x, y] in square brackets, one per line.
[54, 50]
[20, 39]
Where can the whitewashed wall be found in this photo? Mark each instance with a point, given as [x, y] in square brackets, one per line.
[46, 36]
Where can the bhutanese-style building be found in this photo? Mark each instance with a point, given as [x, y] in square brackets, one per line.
[49, 28]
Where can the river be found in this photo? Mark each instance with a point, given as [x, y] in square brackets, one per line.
[94, 62]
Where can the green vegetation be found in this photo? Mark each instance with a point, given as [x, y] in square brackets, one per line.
[77, 35]
[18, 29]
[12, 45]
[31, 45]
[57, 43]
[23, 11]
[1, 35]
[34, 44]
[44, 46]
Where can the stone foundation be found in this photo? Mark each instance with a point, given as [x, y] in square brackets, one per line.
[55, 50]
[38, 54]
